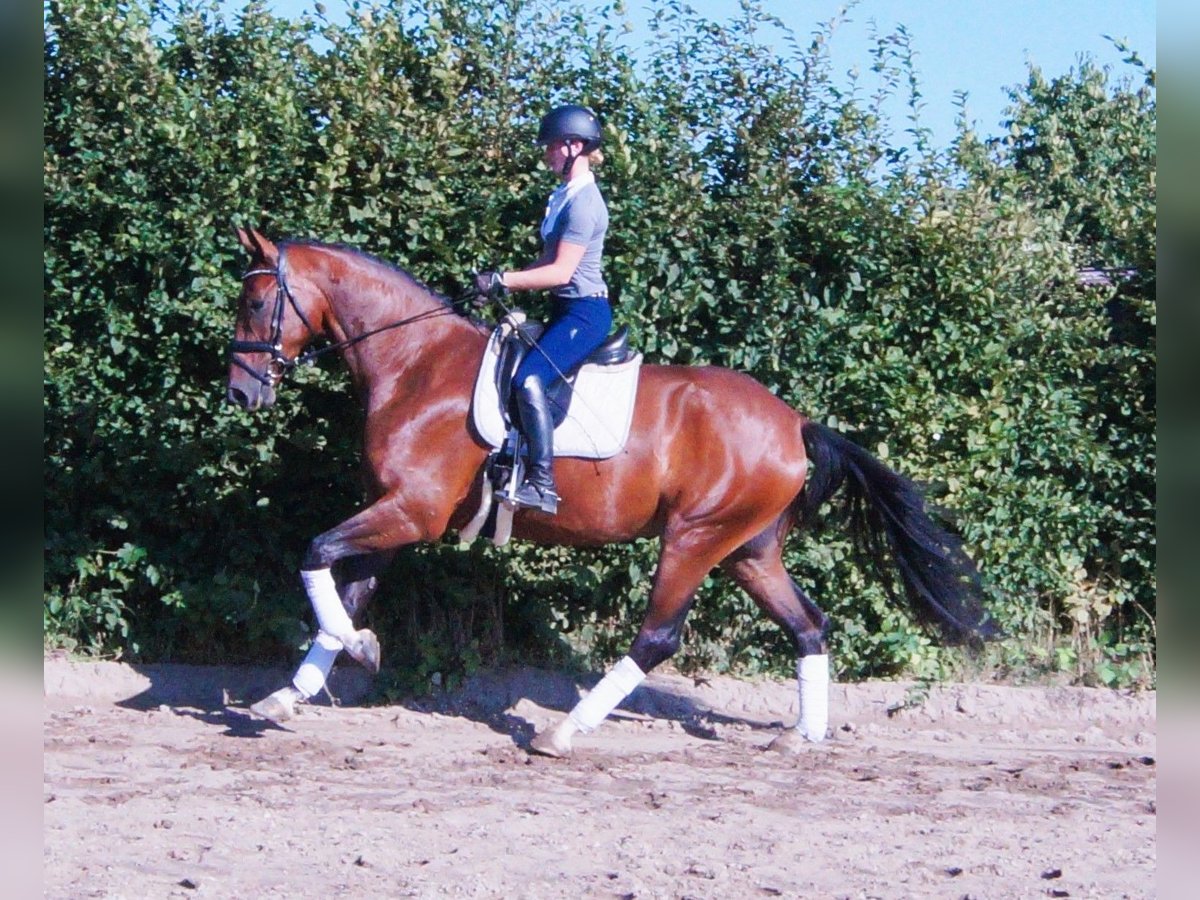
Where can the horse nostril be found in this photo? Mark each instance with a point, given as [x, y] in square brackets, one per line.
[238, 397]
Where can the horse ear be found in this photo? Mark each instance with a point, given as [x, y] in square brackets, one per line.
[246, 241]
[258, 246]
[270, 253]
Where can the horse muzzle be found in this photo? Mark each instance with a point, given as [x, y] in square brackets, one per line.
[252, 396]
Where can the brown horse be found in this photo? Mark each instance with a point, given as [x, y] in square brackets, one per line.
[715, 465]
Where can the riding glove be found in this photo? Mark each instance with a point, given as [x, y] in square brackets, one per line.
[488, 286]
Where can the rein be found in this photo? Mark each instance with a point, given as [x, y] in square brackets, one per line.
[280, 363]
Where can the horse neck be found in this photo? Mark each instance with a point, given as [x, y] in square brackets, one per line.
[364, 295]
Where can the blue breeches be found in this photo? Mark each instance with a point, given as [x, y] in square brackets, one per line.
[577, 327]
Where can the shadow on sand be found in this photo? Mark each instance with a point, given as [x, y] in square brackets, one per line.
[220, 696]
[493, 697]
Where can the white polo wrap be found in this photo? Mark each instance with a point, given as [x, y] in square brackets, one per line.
[813, 674]
[326, 603]
[607, 695]
[313, 672]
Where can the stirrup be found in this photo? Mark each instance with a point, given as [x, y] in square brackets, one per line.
[530, 496]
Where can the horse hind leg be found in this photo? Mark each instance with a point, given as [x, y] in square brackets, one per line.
[681, 567]
[759, 570]
[355, 579]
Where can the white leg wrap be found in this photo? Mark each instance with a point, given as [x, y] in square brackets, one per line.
[311, 675]
[326, 603]
[813, 674]
[604, 697]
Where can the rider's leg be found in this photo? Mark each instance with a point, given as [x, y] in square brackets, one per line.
[538, 489]
[578, 328]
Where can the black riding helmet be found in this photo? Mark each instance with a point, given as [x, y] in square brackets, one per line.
[570, 121]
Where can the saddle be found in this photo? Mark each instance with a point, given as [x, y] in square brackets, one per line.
[592, 408]
[515, 345]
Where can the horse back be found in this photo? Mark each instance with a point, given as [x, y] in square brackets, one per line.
[705, 443]
[726, 430]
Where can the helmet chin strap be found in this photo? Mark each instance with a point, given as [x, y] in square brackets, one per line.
[570, 161]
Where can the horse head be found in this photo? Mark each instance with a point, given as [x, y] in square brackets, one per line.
[274, 322]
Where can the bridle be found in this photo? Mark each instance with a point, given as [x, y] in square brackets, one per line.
[280, 364]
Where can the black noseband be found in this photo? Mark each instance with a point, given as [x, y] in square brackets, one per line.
[280, 363]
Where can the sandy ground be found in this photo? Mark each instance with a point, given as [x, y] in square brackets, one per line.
[159, 783]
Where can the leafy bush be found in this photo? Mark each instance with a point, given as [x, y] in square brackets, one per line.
[764, 217]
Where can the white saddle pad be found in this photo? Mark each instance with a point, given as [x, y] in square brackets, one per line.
[601, 409]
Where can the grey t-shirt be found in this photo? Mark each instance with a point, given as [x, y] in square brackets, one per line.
[584, 221]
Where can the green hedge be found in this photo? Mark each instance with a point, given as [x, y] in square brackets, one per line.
[765, 216]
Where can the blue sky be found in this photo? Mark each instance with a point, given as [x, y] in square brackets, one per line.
[975, 46]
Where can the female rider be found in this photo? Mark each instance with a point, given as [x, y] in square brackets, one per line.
[569, 267]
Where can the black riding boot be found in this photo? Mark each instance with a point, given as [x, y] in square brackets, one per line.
[537, 491]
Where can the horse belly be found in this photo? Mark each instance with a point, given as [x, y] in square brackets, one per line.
[602, 502]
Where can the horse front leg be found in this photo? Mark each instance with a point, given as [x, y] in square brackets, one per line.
[356, 579]
[340, 573]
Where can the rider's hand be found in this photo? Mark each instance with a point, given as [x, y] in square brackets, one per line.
[489, 285]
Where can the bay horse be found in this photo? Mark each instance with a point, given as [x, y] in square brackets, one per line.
[716, 466]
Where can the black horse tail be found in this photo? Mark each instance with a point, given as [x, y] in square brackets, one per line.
[940, 581]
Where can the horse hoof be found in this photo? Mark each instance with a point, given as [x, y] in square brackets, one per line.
[279, 707]
[792, 740]
[366, 650]
[552, 743]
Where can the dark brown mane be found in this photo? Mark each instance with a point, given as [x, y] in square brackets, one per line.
[393, 269]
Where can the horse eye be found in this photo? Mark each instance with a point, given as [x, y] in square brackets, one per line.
[256, 305]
